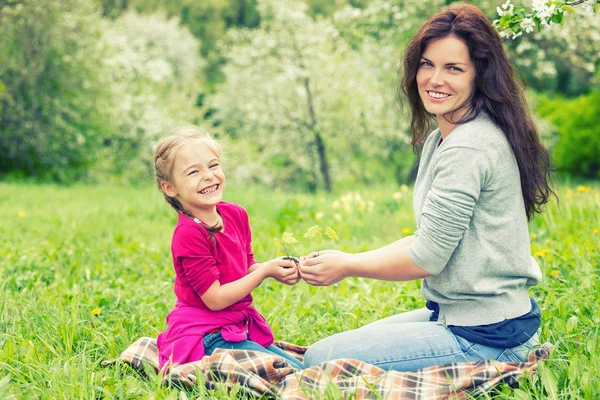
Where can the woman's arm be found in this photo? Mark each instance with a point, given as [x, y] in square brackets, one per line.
[390, 263]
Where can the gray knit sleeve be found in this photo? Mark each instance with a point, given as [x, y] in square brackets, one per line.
[459, 174]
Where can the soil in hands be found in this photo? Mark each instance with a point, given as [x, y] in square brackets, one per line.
[294, 259]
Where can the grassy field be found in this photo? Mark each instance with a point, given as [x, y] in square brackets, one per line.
[86, 270]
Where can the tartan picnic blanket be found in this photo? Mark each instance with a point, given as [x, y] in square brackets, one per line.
[270, 376]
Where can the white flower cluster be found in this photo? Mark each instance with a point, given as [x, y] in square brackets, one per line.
[528, 25]
[515, 19]
[506, 9]
[543, 10]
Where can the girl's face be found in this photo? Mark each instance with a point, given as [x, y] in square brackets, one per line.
[445, 78]
[198, 181]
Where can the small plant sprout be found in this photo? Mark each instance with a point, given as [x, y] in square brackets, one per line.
[286, 238]
[317, 233]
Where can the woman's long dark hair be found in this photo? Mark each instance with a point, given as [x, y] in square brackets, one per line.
[496, 92]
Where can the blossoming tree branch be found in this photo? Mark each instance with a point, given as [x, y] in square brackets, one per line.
[514, 19]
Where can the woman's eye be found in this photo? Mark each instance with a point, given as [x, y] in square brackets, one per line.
[425, 64]
[456, 69]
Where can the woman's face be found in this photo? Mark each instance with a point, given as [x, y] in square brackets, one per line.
[445, 78]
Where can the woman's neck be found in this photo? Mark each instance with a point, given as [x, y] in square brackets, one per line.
[445, 123]
[445, 127]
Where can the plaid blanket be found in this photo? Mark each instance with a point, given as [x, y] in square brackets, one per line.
[262, 374]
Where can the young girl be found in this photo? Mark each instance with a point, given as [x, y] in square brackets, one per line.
[212, 255]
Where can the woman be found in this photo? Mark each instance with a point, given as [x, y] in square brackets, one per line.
[482, 175]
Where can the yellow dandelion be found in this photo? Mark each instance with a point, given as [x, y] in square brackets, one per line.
[96, 311]
[21, 214]
[319, 215]
[596, 231]
[397, 196]
[555, 273]
[542, 253]
[584, 189]
[406, 231]
[533, 236]
[404, 188]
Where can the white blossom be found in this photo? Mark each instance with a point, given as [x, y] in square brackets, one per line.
[528, 25]
[539, 5]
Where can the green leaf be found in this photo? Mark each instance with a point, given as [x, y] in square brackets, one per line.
[331, 233]
[557, 18]
[504, 20]
[288, 238]
[519, 394]
[568, 8]
[312, 232]
[548, 381]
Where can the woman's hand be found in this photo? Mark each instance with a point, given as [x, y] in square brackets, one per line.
[324, 269]
[282, 270]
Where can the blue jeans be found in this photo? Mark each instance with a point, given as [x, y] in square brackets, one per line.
[214, 341]
[409, 342]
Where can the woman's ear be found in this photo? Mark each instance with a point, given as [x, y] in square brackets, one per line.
[168, 189]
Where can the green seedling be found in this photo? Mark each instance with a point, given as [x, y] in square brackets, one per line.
[286, 238]
[315, 232]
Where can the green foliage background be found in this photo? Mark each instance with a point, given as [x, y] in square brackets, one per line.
[87, 87]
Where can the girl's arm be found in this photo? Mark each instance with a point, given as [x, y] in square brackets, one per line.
[218, 296]
[287, 280]
[390, 263]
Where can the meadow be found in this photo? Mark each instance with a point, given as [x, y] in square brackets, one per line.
[86, 270]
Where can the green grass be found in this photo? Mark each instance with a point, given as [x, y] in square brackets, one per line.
[65, 251]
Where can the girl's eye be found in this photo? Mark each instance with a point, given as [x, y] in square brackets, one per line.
[193, 172]
[214, 165]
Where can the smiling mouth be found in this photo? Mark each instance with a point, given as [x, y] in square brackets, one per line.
[437, 95]
[209, 189]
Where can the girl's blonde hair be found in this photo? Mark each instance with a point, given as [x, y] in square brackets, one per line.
[164, 158]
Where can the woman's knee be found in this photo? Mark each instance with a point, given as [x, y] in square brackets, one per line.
[317, 353]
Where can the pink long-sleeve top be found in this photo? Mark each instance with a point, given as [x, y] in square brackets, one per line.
[199, 261]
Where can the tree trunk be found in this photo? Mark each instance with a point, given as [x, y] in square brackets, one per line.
[319, 144]
[323, 165]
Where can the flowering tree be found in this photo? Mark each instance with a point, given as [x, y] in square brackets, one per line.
[514, 19]
[152, 75]
[80, 93]
[295, 87]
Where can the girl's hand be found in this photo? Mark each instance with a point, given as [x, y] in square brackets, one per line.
[284, 271]
[324, 269]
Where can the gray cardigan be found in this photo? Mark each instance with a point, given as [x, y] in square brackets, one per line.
[472, 232]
